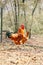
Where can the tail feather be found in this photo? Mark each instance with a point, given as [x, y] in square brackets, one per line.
[8, 34]
[27, 34]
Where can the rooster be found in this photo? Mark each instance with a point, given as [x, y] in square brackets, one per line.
[19, 37]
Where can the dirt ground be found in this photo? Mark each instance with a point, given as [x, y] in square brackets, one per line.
[11, 54]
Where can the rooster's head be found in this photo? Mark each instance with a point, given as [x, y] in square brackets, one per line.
[22, 26]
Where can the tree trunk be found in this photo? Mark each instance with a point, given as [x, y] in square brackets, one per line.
[18, 11]
[32, 17]
[16, 21]
[1, 22]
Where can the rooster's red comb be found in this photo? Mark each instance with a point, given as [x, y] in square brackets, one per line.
[22, 26]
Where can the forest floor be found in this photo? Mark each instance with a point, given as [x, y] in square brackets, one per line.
[11, 54]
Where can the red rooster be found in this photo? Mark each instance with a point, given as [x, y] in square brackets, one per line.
[19, 37]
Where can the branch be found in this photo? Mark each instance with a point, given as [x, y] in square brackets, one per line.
[34, 7]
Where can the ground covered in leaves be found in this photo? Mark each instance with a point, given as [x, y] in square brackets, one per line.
[11, 54]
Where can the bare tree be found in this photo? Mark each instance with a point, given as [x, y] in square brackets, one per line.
[1, 18]
[36, 3]
[16, 21]
[18, 8]
[18, 12]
